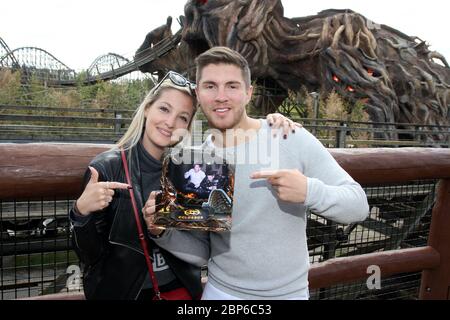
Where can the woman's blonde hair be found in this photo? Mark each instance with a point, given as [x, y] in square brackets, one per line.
[137, 126]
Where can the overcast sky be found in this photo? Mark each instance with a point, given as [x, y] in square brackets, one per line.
[77, 32]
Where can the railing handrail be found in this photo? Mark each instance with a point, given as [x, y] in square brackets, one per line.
[61, 166]
[68, 109]
[329, 272]
[372, 122]
[125, 120]
[302, 120]
[33, 117]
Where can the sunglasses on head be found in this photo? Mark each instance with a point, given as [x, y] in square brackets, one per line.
[178, 80]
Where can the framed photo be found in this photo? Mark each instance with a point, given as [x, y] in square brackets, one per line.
[197, 192]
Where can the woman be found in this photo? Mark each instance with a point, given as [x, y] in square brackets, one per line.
[105, 231]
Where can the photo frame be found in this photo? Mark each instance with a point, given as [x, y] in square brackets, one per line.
[197, 191]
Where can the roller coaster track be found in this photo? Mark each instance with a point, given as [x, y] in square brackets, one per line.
[7, 52]
[151, 54]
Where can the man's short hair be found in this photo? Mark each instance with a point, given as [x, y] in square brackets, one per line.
[218, 55]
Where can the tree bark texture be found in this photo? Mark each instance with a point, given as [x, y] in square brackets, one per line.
[394, 75]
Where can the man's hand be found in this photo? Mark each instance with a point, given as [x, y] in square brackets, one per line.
[290, 184]
[97, 195]
[149, 212]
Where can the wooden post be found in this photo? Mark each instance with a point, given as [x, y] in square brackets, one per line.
[117, 122]
[315, 97]
[341, 135]
[435, 282]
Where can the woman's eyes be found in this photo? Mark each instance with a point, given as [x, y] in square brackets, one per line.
[164, 109]
[167, 110]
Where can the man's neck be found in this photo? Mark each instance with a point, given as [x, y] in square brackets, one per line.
[244, 131]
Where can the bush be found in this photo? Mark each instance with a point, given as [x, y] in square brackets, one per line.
[10, 87]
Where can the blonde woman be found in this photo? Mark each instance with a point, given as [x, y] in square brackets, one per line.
[104, 228]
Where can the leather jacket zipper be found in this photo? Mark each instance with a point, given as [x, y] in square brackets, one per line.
[129, 247]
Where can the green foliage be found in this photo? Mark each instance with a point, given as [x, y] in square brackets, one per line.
[10, 88]
[127, 95]
[294, 106]
[331, 106]
[359, 113]
[113, 95]
[108, 95]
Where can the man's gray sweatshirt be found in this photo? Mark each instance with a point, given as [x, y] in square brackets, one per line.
[265, 255]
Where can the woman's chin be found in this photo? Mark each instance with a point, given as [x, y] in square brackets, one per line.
[165, 142]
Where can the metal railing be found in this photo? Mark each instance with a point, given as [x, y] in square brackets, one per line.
[29, 124]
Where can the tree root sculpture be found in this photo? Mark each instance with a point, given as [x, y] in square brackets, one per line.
[396, 76]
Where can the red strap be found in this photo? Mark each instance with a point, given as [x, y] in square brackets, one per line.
[140, 230]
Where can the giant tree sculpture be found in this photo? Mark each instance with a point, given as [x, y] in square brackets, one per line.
[396, 76]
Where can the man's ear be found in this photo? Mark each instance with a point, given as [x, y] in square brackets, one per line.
[199, 105]
[249, 93]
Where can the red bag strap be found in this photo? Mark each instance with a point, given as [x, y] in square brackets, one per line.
[140, 230]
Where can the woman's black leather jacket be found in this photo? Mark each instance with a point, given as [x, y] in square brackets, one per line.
[108, 244]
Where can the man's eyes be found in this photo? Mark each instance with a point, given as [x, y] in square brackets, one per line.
[230, 86]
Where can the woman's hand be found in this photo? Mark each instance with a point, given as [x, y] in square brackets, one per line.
[97, 195]
[149, 213]
[277, 120]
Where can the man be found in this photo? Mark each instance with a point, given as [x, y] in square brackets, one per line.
[195, 176]
[265, 255]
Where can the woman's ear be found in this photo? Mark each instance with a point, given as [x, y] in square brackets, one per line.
[145, 123]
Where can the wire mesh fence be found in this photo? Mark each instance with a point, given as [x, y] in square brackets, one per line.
[36, 248]
[399, 287]
[400, 217]
[37, 257]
